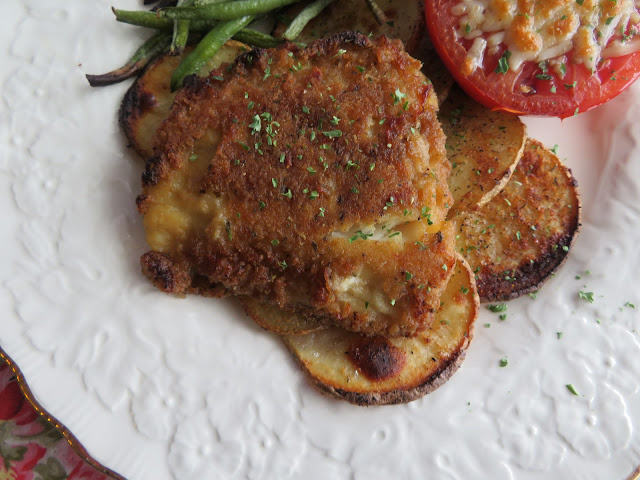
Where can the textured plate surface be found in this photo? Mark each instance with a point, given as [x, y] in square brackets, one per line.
[159, 388]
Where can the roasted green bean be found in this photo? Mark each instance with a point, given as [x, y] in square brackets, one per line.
[147, 52]
[307, 14]
[206, 48]
[224, 11]
[180, 31]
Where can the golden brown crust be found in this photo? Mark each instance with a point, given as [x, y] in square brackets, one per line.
[432, 66]
[269, 175]
[516, 241]
[148, 101]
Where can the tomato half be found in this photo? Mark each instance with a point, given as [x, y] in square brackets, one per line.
[535, 88]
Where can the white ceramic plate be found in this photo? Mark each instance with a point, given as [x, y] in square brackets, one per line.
[158, 387]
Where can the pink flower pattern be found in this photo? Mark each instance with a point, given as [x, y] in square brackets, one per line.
[30, 447]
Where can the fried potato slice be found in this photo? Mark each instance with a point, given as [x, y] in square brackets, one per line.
[523, 235]
[483, 146]
[380, 371]
[147, 103]
[405, 20]
[278, 321]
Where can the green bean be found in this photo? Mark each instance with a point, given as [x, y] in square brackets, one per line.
[180, 31]
[180, 36]
[307, 14]
[224, 11]
[142, 18]
[150, 20]
[147, 52]
[208, 46]
[257, 39]
[201, 3]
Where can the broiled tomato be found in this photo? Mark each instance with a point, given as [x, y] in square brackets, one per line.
[538, 57]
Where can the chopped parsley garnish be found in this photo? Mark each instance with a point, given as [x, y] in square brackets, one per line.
[256, 124]
[397, 96]
[503, 63]
[360, 235]
[588, 296]
[572, 389]
[496, 308]
[333, 133]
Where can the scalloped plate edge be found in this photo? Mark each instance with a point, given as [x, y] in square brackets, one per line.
[75, 444]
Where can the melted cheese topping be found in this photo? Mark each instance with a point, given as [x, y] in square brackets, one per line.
[538, 30]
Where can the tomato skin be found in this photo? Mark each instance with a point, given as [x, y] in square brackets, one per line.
[511, 91]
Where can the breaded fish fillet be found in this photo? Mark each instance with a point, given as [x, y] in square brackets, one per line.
[311, 178]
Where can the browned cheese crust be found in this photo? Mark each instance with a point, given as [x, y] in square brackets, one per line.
[314, 179]
[518, 239]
